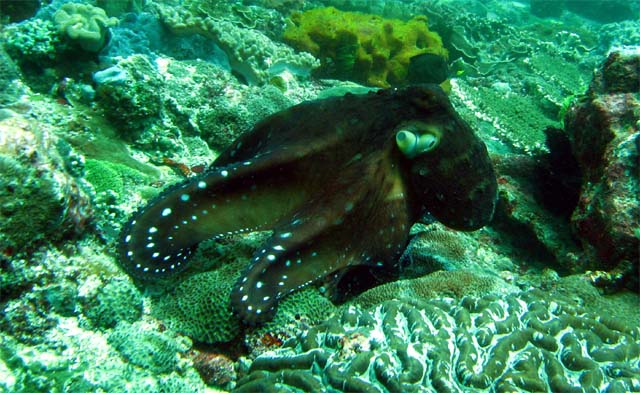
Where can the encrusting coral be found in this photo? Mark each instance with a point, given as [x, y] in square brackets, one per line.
[518, 343]
[365, 48]
[41, 196]
[251, 53]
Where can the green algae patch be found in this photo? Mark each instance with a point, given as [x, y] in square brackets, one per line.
[111, 176]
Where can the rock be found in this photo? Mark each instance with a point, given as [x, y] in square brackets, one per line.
[603, 129]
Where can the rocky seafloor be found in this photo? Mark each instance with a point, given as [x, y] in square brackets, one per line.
[103, 104]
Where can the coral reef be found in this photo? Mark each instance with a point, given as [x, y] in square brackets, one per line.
[456, 284]
[603, 129]
[148, 348]
[184, 108]
[128, 92]
[11, 86]
[524, 343]
[118, 300]
[361, 47]
[251, 53]
[199, 307]
[124, 108]
[41, 196]
[84, 24]
[34, 40]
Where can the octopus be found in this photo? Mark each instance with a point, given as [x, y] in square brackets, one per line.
[338, 181]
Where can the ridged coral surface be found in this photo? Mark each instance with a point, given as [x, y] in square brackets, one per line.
[519, 343]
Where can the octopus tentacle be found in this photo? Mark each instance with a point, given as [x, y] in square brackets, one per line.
[242, 197]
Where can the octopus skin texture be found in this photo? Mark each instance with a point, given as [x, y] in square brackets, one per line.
[339, 181]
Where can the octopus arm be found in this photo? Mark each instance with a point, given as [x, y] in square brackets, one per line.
[326, 236]
[240, 197]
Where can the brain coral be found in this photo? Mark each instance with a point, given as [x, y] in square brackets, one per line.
[84, 24]
[366, 48]
[517, 343]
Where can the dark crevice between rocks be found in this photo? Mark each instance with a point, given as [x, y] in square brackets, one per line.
[557, 175]
[523, 242]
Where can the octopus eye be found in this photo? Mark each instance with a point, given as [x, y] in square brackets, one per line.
[412, 143]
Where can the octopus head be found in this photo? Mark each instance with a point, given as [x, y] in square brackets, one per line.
[450, 170]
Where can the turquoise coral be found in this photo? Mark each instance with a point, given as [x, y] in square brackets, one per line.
[84, 24]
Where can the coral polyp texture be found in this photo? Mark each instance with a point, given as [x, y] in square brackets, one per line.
[518, 343]
[365, 48]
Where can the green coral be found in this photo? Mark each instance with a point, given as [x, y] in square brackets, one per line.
[157, 351]
[518, 120]
[441, 283]
[132, 102]
[111, 176]
[199, 307]
[119, 300]
[84, 24]
[361, 47]
[32, 40]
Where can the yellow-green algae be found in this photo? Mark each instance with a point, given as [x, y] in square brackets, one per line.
[361, 47]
